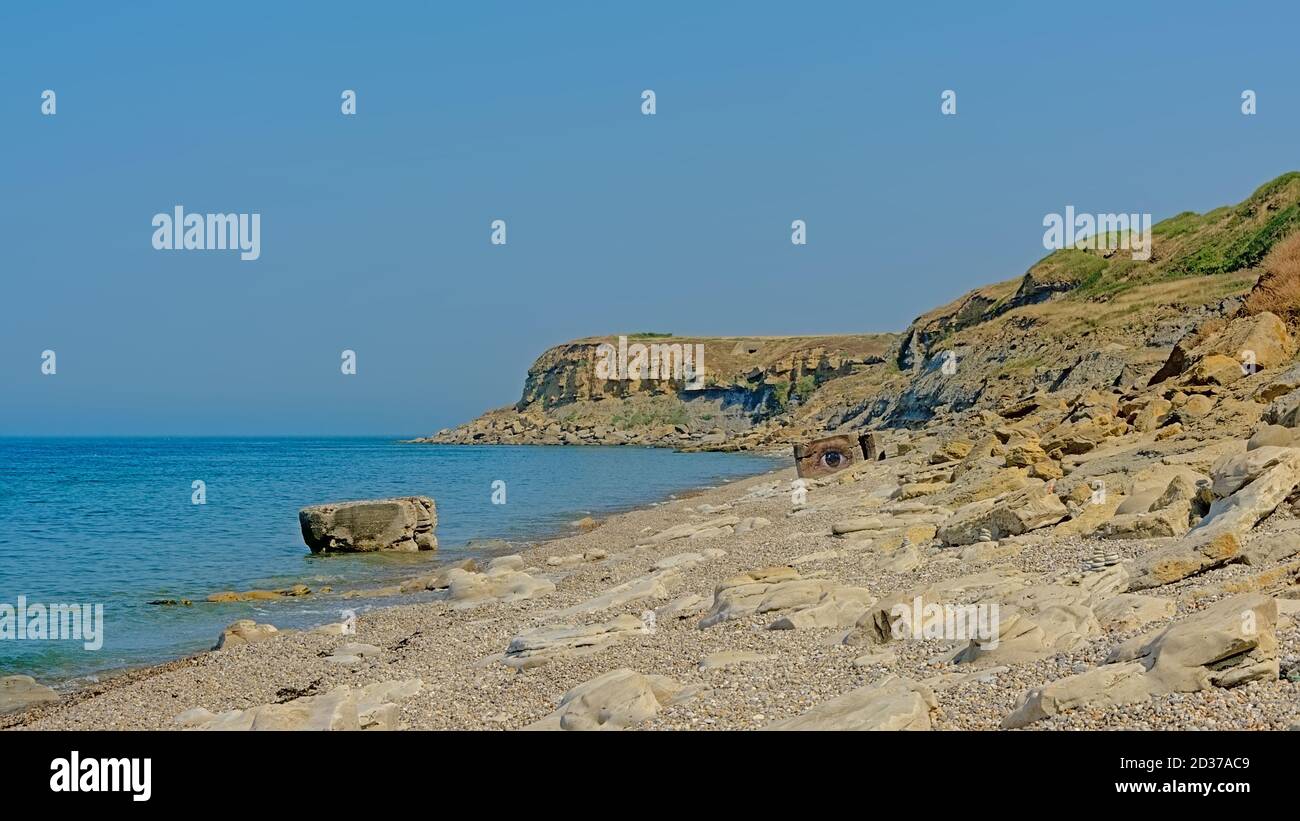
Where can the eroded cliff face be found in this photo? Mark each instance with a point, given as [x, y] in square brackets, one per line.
[1077, 321]
[667, 390]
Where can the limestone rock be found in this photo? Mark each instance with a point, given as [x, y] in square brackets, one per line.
[403, 524]
[1230, 642]
[1130, 611]
[613, 701]
[467, 589]
[893, 704]
[847, 526]
[1252, 502]
[1234, 471]
[245, 631]
[839, 607]
[720, 526]
[1009, 515]
[652, 586]
[373, 707]
[1172, 520]
[1196, 407]
[1025, 636]
[352, 653]
[681, 608]
[1106, 686]
[1215, 369]
[1198, 551]
[539, 646]
[1273, 435]
[741, 595]
[1284, 410]
[20, 692]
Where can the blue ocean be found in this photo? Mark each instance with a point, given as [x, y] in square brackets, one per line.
[112, 522]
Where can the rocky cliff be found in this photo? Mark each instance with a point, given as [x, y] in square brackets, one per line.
[1076, 321]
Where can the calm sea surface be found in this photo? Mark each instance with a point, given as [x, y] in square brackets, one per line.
[111, 522]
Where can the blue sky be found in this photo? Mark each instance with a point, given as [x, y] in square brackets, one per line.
[375, 228]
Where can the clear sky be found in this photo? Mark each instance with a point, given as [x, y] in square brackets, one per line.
[375, 227]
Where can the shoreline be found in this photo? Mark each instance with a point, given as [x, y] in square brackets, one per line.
[69, 686]
[499, 652]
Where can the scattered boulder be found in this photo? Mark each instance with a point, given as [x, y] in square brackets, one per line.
[1228, 644]
[1131, 611]
[652, 586]
[245, 631]
[1234, 471]
[401, 524]
[1107, 686]
[893, 704]
[468, 589]
[1008, 515]
[614, 701]
[373, 707]
[681, 608]
[20, 692]
[721, 526]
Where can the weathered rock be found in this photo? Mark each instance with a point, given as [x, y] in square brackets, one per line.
[720, 526]
[1025, 453]
[1267, 435]
[683, 607]
[539, 646]
[838, 607]
[1229, 643]
[1196, 407]
[1218, 538]
[402, 524]
[373, 707]
[467, 589]
[1252, 502]
[952, 451]
[1233, 472]
[847, 526]
[741, 595]
[1107, 686]
[613, 701]
[1130, 611]
[1284, 410]
[1081, 436]
[227, 596]
[1194, 553]
[245, 631]
[352, 653]
[1273, 547]
[1215, 369]
[1012, 514]
[893, 704]
[684, 561]
[652, 586]
[20, 692]
[1172, 520]
[1026, 636]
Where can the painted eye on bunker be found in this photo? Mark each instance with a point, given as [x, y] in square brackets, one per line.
[833, 459]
